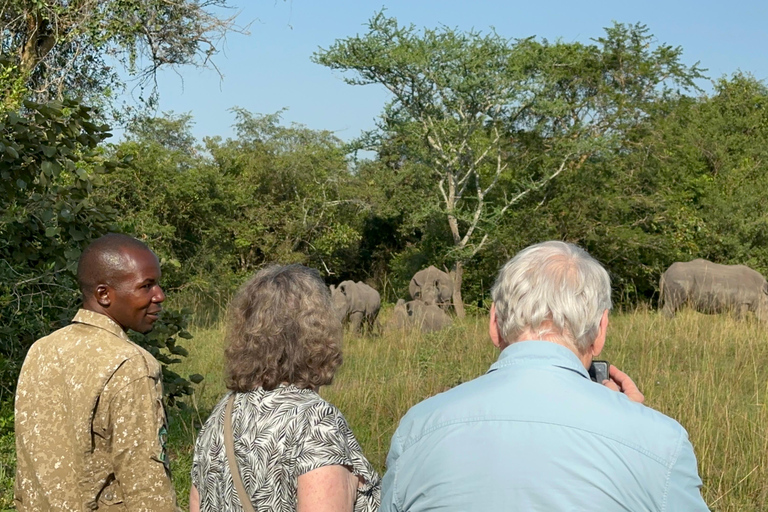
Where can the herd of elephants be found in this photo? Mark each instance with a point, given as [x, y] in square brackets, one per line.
[700, 284]
[431, 291]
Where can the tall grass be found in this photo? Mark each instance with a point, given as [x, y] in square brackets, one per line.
[708, 372]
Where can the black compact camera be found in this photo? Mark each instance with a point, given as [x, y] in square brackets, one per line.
[598, 371]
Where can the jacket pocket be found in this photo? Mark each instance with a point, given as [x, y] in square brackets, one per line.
[111, 497]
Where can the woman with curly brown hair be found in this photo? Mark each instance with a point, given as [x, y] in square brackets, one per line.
[273, 441]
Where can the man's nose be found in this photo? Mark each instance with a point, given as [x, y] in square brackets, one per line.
[159, 296]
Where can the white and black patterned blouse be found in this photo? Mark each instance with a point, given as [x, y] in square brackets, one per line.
[279, 435]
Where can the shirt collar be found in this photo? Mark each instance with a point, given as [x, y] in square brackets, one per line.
[539, 352]
[85, 316]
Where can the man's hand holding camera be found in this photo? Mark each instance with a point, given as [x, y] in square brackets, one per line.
[621, 382]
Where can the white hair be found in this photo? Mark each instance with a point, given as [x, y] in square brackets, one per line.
[555, 289]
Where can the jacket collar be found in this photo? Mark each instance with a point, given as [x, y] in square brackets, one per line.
[539, 353]
[85, 316]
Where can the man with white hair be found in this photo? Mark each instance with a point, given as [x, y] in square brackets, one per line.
[535, 433]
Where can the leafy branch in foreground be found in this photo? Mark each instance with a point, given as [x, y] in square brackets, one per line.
[60, 47]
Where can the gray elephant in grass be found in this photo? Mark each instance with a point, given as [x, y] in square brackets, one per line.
[432, 286]
[357, 304]
[399, 318]
[713, 288]
[416, 314]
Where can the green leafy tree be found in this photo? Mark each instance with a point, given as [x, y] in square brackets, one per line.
[167, 192]
[294, 194]
[59, 47]
[688, 182]
[731, 142]
[494, 120]
[216, 213]
[50, 167]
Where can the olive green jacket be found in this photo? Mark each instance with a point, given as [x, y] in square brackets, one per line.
[90, 423]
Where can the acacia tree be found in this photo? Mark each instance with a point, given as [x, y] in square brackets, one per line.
[495, 119]
[65, 46]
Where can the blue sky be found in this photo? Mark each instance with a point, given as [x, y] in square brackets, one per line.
[271, 68]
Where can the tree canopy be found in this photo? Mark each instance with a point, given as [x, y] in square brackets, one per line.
[488, 144]
[50, 168]
[55, 48]
[493, 120]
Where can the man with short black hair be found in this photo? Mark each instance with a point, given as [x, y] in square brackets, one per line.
[90, 422]
[535, 433]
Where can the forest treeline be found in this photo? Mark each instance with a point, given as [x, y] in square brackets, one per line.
[487, 145]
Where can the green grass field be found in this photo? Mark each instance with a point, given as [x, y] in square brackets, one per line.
[708, 372]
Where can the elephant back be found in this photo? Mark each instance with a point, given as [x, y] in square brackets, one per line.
[712, 286]
[431, 285]
[369, 297]
[346, 296]
[427, 317]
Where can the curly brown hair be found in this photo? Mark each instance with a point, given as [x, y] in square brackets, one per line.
[282, 328]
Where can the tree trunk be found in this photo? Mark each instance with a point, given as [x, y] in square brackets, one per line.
[457, 274]
[40, 41]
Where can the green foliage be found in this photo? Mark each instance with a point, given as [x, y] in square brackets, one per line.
[12, 89]
[7, 455]
[49, 166]
[57, 48]
[731, 139]
[292, 191]
[688, 181]
[490, 125]
[50, 169]
[161, 343]
[217, 213]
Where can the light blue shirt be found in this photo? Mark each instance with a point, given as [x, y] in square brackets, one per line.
[535, 434]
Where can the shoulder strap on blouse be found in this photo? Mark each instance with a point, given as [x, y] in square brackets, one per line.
[229, 445]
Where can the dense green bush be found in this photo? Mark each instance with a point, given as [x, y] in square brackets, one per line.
[50, 166]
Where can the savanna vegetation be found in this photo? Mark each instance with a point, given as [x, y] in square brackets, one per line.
[708, 372]
[488, 144]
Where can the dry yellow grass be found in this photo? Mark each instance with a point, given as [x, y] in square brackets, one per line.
[708, 372]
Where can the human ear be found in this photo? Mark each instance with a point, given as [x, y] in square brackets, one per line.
[602, 330]
[493, 329]
[103, 297]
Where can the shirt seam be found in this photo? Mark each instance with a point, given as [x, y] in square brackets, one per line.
[119, 390]
[112, 327]
[481, 419]
[395, 495]
[665, 496]
[562, 363]
[131, 351]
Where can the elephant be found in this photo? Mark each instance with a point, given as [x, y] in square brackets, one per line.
[432, 286]
[427, 317]
[357, 304]
[713, 288]
[399, 318]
